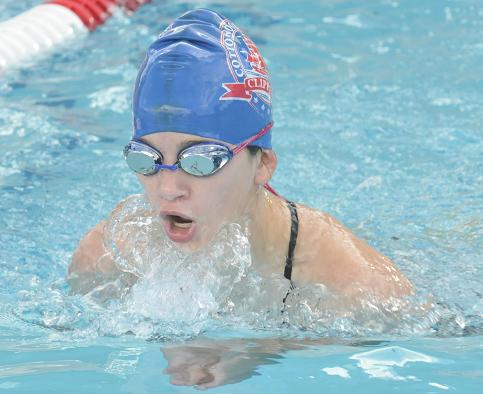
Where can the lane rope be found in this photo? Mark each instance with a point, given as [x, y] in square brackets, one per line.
[46, 27]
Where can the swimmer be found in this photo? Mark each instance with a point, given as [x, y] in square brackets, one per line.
[201, 149]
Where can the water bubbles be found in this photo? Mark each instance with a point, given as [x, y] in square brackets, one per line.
[157, 291]
[175, 291]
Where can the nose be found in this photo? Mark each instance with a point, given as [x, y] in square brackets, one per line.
[169, 185]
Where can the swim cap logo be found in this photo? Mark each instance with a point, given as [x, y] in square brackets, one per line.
[247, 67]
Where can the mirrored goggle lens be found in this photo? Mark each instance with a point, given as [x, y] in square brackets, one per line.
[198, 165]
[140, 162]
[204, 159]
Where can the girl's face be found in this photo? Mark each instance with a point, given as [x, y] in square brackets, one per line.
[193, 209]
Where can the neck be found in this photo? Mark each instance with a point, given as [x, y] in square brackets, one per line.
[268, 227]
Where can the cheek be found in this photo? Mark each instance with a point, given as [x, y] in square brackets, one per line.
[149, 190]
[209, 199]
[226, 196]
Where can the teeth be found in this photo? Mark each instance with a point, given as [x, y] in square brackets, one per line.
[182, 225]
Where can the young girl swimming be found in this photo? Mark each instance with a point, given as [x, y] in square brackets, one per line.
[201, 149]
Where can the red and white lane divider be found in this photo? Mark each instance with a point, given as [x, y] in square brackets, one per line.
[48, 26]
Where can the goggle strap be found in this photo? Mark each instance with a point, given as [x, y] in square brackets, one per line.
[244, 144]
[271, 190]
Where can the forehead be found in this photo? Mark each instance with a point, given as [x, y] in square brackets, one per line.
[176, 140]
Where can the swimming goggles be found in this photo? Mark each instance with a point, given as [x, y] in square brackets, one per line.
[200, 159]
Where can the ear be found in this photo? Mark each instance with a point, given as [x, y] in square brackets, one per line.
[266, 167]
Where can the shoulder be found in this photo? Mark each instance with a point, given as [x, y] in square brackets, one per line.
[329, 253]
[93, 262]
[89, 250]
[90, 261]
[91, 254]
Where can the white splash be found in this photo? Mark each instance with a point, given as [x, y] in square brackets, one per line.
[337, 371]
[446, 101]
[115, 98]
[353, 20]
[378, 363]
[346, 59]
[448, 14]
[162, 290]
[369, 183]
[439, 386]
[180, 290]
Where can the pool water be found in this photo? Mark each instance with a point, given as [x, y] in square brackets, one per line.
[378, 121]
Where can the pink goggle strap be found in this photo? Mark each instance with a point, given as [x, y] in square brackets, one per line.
[244, 144]
[247, 142]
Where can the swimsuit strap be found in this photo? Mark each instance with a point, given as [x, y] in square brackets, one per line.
[294, 229]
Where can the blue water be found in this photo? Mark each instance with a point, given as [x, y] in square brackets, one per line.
[378, 121]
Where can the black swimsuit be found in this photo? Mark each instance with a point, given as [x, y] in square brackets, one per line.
[294, 229]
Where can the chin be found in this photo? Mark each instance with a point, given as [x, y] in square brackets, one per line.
[191, 237]
[196, 244]
[189, 247]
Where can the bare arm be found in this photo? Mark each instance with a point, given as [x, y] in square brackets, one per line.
[91, 263]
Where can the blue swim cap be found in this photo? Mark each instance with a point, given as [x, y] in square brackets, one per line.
[203, 76]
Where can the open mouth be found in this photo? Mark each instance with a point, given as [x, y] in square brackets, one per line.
[179, 221]
[178, 228]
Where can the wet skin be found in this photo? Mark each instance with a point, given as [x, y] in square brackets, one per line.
[193, 209]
